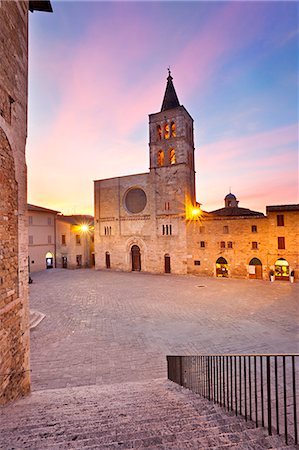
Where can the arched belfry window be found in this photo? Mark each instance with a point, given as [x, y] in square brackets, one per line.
[173, 129]
[172, 159]
[166, 131]
[159, 132]
[160, 158]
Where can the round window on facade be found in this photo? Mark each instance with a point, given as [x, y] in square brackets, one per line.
[135, 200]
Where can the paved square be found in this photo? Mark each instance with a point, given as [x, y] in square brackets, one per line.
[106, 327]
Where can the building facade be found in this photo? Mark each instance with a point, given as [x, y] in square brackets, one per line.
[14, 311]
[152, 222]
[74, 241]
[41, 238]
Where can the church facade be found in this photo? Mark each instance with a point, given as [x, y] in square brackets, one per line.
[151, 221]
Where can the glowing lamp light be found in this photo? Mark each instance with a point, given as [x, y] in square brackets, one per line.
[195, 212]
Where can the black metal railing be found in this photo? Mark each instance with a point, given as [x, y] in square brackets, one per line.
[262, 388]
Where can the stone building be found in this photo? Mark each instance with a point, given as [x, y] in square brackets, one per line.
[42, 238]
[14, 329]
[152, 222]
[74, 241]
[141, 219]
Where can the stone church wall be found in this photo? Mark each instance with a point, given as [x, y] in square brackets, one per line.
[14, 320]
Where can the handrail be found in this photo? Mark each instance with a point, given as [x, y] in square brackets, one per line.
[260, 387]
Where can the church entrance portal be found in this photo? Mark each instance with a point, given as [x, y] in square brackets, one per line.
[49, 260]
[136, 259]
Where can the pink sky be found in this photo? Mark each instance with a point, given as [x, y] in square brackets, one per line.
[91, 93]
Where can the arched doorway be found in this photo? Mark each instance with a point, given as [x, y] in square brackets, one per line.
[167, 268]
[136, 258]
[282, 269]
[221, 267]
[107, 259]
[255, 269]
[64, 262]
[49, 260]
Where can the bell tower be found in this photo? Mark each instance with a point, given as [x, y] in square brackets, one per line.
[172, 153]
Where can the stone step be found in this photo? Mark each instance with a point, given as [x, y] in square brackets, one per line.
[144, 415]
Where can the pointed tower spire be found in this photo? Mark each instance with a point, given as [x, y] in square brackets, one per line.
[170, 98]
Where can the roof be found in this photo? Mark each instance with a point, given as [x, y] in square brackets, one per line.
[230, 195]
[40, 5]
[41, 209]
[235, 211]
[170, 98]
[77, 219]
[282, 208]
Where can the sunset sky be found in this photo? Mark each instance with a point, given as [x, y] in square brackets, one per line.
[97, 69]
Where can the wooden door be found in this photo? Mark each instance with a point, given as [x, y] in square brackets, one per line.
[167, 263]
[108, 260]
[136, 259]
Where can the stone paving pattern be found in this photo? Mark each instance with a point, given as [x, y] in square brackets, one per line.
[108, 327]
[98, 359]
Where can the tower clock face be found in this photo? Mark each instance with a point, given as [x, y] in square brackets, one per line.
[135, 200]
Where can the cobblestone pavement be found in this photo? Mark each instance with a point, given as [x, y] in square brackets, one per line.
[106, 327]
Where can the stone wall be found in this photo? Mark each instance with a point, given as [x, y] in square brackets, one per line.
[14, 329]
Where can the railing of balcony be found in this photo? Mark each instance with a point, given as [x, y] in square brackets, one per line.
[262, 388]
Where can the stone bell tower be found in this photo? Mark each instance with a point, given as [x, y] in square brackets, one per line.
[172, 154]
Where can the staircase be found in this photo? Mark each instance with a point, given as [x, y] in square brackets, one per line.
[157, 414]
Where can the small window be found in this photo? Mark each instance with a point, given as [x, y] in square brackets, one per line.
[202, 244]
[30, 240]
[170, 229]
[229, 244]
[159, 132]
[163, 230]
[160, 158]
[281, 243]
[49, 239]
[196, 262]
[254, 245]
[225, 229]
[78, 239]
[253, 228]
[222, 244]
[280, 220]
[63, 239]
[202, 229]
[166, 229]
[172, 159]
[30, 220]
[173, 129]
[166, 131]
[49, 220]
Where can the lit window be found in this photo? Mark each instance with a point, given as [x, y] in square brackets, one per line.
[225, 229]
[159, 132]
[173, 129]
[63, 239]
[280, 220]
[254, 228]
[172, 159]
[78, 239]
[166, 131]
[254, 245]
[202, 244]
[281, 243]
[222, 244]
[229, 244]
[160, 158]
